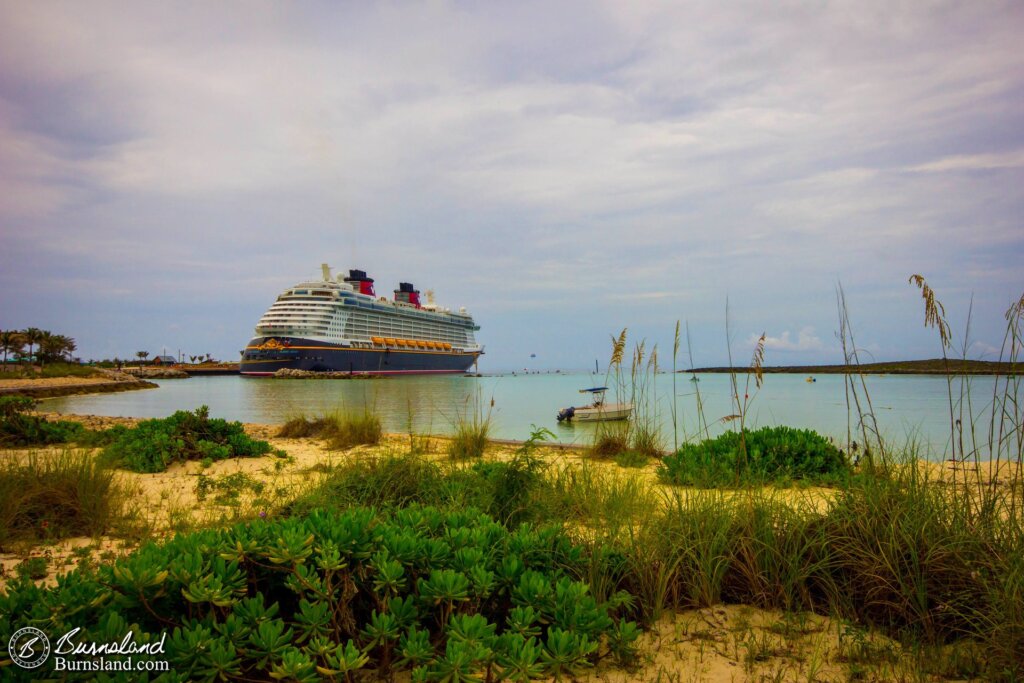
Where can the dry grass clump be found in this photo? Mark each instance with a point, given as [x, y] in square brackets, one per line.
[302, 427]
[470, 438]
[340, 430]
[355, 430]
[610, 440]
[57, 496]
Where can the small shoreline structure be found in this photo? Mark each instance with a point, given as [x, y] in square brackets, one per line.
[934, 366]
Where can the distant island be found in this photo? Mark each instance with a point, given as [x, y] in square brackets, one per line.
[934, 366]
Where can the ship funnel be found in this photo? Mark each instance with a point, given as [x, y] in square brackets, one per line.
[406, 293]
[326, 269]
[358, 279]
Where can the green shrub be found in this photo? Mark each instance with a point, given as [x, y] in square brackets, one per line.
[56, 496]
[769, 454]
[17, 428]
[448, 596]
[152, 445]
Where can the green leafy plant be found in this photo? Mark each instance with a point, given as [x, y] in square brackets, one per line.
[331, 593]
[760, 456]
[153, 445]
[19, 428]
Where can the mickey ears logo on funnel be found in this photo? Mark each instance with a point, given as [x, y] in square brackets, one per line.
[29, 647]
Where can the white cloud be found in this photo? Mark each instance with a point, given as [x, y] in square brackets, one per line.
[805, 340]
[972, 162]
[983, 351]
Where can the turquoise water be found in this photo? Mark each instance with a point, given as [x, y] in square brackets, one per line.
[906, 406]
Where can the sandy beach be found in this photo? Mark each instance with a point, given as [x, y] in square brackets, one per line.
[103, 381]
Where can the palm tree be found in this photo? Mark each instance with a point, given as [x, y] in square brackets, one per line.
[11, 341]
[48, 347]
[67, 346]
[32, 336]
[54, 347]
[141, 355]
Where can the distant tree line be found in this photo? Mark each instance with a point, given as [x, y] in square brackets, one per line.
[36, 346]
[33, 345]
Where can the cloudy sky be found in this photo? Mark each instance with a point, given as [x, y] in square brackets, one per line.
[562, 169]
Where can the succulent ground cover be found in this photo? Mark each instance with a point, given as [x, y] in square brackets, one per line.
[448, 596]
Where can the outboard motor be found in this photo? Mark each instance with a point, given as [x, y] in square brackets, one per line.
[566, 414]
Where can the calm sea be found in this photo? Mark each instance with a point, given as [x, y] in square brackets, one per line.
[907, 407]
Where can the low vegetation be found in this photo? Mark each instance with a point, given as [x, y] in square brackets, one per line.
[610, 439]
[54, 496]
[756, 457]
[893, 552]
[18, 427]
[341, 430]
[57, 369]
[450, 596]
[153, 445]
[511, 492]
[470, 437]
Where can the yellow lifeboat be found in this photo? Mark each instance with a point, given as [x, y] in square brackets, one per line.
[402, 342]
[447, 346]
[377, 340]
[390, 341]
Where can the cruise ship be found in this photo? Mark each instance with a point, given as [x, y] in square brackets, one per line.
[341, 325]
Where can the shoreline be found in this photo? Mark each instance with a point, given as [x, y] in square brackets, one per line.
[934, 366]
[55, 387]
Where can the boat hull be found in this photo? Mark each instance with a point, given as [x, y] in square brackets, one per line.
[605, 413]
[293, 353]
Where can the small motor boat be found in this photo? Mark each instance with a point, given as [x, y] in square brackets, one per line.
[598, 410]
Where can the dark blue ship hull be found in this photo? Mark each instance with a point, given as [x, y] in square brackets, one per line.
[267, 357]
